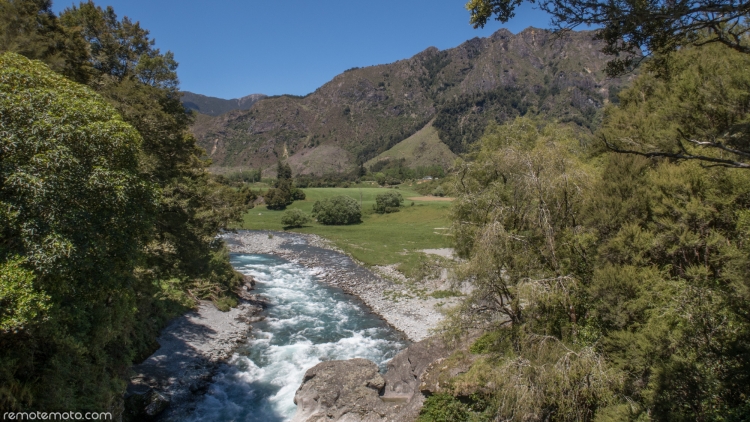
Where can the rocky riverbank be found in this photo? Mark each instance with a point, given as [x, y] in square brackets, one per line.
[193, 347]
[167, 385]
[385, 293]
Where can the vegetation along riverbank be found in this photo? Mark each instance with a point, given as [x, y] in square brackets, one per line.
[567, 212]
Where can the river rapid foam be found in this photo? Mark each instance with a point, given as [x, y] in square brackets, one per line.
[306, 323]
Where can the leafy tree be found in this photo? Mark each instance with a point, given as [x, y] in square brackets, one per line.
[337, 210]
[76, 214]
[609, 275]
[388, 202]
[178, 254]
[697, 110]
[283, 172]
[294, 218]
[284, 191]
[658, 26]
[142, 84]
[278, 198]
[520, 197]
[30, 28]
[515, 221]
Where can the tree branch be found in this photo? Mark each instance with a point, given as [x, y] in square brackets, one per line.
[679, 156]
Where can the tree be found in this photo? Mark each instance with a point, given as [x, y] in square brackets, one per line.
[388, 202]
[75, 214]
[294, 218]
[283, 172]
[141, 83]
[337, 210]
[284, 191]
[516, 223]
[698, 110]
[180, 255]
[629, 27]
[30, 28]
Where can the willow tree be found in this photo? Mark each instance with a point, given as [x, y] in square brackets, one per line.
[517, 222]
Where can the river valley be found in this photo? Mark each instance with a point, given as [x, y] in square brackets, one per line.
[306, 323]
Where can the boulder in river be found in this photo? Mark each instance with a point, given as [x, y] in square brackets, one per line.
[340, 390]
[353, 390]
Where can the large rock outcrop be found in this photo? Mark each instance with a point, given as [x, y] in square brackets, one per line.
[354, 390]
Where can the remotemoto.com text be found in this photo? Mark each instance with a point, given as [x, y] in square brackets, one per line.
[57, 416]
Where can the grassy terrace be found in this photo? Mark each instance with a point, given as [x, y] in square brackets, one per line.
[380, 239]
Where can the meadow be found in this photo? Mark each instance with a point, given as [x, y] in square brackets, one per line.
[381, 239]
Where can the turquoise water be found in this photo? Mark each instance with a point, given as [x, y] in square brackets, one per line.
[306, 323]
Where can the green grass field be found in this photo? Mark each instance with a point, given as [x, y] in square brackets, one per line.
[380, 239]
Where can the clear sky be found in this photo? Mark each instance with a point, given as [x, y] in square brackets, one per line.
[232, 48]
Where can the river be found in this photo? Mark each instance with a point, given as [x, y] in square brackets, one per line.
[306, 323]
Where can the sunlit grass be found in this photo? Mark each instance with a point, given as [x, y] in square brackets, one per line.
[380, 239]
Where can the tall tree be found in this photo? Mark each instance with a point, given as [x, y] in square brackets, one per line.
[142, 84]
[75, 214]
[30, 28]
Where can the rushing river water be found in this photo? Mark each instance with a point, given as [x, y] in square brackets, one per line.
[306, 323]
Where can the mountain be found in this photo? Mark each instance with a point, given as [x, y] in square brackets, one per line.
[364, 112]
[213, 106]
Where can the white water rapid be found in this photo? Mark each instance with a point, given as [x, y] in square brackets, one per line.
[306, 323]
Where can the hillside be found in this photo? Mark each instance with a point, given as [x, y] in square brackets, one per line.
[422, 149]
[213, 106]
[363, 112]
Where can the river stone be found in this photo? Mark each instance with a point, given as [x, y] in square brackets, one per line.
[340, 390]
[353, 390]
[144, 406]
[404, 371]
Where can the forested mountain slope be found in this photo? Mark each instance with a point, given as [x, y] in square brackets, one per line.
[365, 111]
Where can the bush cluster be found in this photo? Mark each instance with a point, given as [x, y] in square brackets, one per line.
[294, 218]
[388, 202]
[337, 210]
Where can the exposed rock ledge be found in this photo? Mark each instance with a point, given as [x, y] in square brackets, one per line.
[353, 390]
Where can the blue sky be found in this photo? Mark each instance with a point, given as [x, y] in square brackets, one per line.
[232, 48]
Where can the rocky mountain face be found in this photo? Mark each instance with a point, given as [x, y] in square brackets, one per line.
[213, 106]
[365, 111]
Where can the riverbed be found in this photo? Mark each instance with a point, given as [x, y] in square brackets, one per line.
[306, 322]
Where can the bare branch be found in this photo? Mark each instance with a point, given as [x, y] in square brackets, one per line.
[679, 156]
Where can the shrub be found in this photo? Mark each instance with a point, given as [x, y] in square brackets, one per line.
[388, 202]
[438, 191]
[277, 199]
[294, 218]
[337, 210]
[443, 408]
[298, 194]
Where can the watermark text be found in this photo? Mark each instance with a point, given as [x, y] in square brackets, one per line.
[57, 416]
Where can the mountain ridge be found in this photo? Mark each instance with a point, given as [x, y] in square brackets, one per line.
[363, 112]
[213, 106]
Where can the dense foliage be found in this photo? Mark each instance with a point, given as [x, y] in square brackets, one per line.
[337, 210]
[388, 202]
[608, 286]
[109, 219]
[284, 192]
[75, 215]
[294, 218]
[711, 123]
